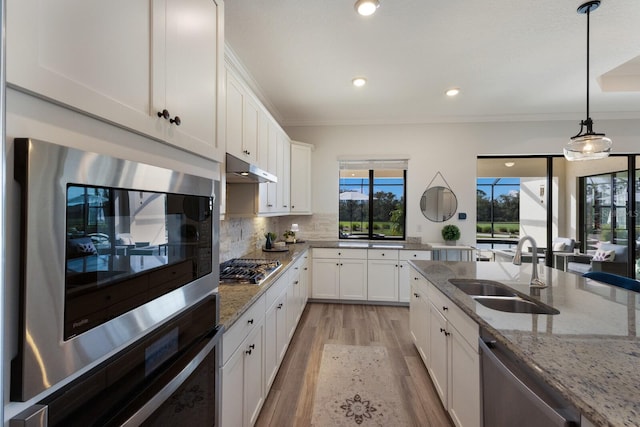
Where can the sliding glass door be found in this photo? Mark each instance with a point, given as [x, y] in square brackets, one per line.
[594, 203]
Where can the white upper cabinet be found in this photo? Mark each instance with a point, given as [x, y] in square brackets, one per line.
[300, 178]
[125, 62]
[241, 121]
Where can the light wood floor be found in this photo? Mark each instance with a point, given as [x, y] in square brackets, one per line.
[290, 401]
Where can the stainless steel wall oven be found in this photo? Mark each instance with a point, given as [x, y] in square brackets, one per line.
[111, 252]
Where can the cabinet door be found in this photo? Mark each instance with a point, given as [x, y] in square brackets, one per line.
[233, 390]
[300, 178]
[250, 121]
[253, 376]
[404, 285]
[263, 139]
[383, 280]
[419, 322]
[192, 64]
[438, 344]
[282, 335]
[70, 51]
[270, 344]
[326, 279]
[292, 304]
[283, 170]
[353, 279]
[464, 392]
[234, 112]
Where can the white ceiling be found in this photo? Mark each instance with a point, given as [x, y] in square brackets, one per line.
[513, 60]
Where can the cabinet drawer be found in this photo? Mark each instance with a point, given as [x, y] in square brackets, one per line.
[415, 255]
[340, 253]
[242, 328]
[457, 318]
[391, 254]
[277, 289]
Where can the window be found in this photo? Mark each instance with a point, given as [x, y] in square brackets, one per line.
[372, 199]
[605, 208]
[498, 209]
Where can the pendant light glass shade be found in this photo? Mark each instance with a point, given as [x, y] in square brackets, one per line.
[587, 145]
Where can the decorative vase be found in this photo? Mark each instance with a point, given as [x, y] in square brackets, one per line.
[450, 242]
[269, 243]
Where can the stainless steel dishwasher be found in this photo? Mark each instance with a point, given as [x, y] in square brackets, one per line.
[513, 395]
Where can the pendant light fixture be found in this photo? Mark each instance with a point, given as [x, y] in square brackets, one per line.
[587, 145]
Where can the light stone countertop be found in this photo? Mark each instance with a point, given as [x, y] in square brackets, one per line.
[590, 352]
[235, 300]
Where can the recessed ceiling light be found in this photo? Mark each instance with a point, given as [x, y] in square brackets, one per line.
[453, 91]
[359, 81]
[366, 7]
[509, 164]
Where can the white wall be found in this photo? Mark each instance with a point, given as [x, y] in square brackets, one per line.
[450, 148]
[533, 210]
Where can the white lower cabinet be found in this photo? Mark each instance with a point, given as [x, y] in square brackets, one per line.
[464, 393]
[339, 274]
[451, 353]
[255, 345]
[419, 320]
[363, 274]
[276, 337]
[404, 277]
[439, 346]
[243, 390]
[383, 275]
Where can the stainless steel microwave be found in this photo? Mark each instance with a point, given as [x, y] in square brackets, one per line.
[110, 250]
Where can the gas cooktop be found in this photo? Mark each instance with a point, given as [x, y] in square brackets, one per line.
[247, 270]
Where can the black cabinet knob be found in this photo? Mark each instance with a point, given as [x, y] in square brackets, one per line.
[164, 114]
[175, 120]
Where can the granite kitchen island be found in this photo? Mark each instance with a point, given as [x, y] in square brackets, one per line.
[589, 352]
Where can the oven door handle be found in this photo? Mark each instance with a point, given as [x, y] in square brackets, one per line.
[159, 398]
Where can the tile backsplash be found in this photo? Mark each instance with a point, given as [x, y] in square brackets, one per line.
[239, 236]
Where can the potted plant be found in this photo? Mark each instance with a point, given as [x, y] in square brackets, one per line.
[289, 236]
[450, 234]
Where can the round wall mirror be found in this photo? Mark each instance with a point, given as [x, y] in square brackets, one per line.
[438, 204]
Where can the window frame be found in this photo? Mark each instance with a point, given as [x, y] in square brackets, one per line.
[371, 235]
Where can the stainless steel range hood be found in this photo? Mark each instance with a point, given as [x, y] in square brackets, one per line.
[242, 172]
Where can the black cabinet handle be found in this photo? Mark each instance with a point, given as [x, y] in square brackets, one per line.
[444, 331]
[175, 120]
[445, 308]
[164, 114]
[250, 321]
[279, 305]
[251, 347]
[296, 282]
[416, 295]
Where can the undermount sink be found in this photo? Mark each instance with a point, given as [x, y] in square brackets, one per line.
[482, 287]
[497, 296]
[516, 305]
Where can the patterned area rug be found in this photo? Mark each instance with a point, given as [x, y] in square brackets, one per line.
[356, 388]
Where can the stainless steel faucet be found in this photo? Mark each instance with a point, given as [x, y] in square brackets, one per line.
[517, 260]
